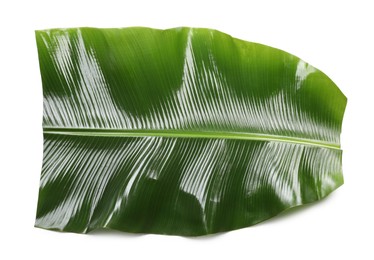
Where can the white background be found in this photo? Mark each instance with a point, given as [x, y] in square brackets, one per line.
[334, 36]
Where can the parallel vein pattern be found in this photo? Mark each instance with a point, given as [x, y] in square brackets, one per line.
[182, 131]
[182, 186]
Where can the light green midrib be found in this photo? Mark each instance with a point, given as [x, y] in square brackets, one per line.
[187, 134]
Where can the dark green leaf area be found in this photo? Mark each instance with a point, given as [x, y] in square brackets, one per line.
[183, 186]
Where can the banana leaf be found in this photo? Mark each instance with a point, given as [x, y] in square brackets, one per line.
[183, 131]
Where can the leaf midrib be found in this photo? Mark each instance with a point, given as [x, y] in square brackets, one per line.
[187, 134]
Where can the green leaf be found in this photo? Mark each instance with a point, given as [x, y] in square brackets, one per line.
[182, 131]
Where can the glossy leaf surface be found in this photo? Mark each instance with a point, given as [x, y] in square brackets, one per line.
[181, 131]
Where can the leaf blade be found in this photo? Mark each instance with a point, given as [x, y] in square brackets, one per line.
[182, 131]
[163, 185]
